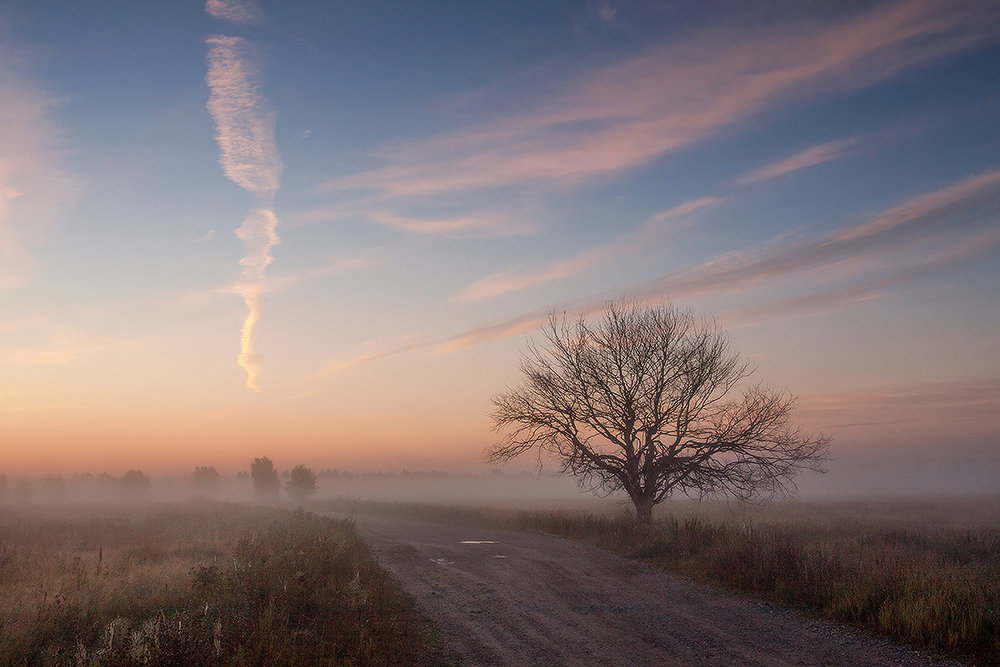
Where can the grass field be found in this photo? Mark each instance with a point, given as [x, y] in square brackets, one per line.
[197, 584]
[926, 572]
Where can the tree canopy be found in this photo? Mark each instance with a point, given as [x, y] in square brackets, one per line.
[650, 400]
[265, 477]
[301, 483]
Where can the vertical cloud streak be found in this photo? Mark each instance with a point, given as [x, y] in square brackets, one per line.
[249, 158]
[245, 12]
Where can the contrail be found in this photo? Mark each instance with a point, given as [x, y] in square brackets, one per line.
[258, 235]
[249, 157]
[246, 12]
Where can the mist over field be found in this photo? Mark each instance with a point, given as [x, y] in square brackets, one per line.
[847, 479]
[290, 244]
[640, 332]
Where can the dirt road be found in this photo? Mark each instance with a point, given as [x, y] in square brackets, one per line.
[504, 598]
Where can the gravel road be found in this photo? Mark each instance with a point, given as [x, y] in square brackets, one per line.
[505, 598]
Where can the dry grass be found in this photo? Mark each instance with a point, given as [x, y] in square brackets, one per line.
[206, 584]
[925, 572]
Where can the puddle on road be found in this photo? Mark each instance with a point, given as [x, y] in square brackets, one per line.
[498, 556]
[477, 542]
[442, 561]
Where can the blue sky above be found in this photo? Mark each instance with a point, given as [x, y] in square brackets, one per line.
[416, 186]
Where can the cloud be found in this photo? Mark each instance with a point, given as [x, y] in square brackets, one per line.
[244, 122]
[274, 284]
[34, 187]
[512, 280]
[476, 225]
[516, 279]
[974, 192]
[243, 12]
[804, 159]
[488, 333]
[958, 223]
[951, 401]
[777, 262]
[54, 347]
[920, 219]
[630, 113]
[373, 350]
[979, 246]
[334, 267]
[249, 157]
[259, 235]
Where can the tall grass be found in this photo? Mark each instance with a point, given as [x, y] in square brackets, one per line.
[934, 588]
[200, 584]
[925, 572]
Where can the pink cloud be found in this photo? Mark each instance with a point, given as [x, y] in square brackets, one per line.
[514, 279]
[928, 220]
[809, 157]
[245, 12]
[829, 299]
[373, 350]
[632, 112]
[976, 400]
[474, 225]
[34, 186]
[273, 284]
[244, 122]
[249, 157]
[919, 219]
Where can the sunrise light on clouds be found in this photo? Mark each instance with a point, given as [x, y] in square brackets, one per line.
[324, 231]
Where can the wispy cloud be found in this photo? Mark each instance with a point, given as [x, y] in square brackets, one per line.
[952, 401]
[491, 332]
[920, 219]
[274, 284]
[809, 157]
[632, 112]
[249, 158]
[34, 188]
[746, 271]
[957, 223]
[244, 122]
[373, 350]
[60, 346]
[475, 225]
[243, 12]
[654, 227]
[830, 299]
[606, 12]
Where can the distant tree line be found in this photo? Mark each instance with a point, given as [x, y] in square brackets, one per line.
[299, 483]
[133, 483]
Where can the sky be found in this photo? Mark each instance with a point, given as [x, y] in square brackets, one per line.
[324, 231]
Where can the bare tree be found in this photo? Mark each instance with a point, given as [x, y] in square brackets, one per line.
[650, 401]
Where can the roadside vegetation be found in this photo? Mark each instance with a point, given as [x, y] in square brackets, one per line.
[198, 584]
[927, 573]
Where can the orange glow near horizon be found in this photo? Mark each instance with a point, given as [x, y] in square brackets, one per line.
[211, 249]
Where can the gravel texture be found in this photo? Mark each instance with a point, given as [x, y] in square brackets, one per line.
[506, 598]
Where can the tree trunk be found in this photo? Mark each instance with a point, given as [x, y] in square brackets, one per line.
[643, 510]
